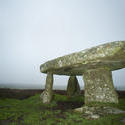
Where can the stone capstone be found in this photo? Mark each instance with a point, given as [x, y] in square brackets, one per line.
[110, 55]
[73, 88]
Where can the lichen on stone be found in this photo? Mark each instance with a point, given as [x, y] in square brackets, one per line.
[47, 94]
[111, 55]
[95, 64]
[99, 86]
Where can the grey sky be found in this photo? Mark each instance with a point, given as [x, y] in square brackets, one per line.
[35, 31]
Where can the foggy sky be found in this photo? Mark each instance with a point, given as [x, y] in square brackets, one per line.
[35, 31]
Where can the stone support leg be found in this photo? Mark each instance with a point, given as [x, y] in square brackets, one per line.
[99, 86]
[73, 88]
[47, 94]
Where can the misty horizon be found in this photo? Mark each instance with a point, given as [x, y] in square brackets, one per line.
[33, 32]
[55, 87]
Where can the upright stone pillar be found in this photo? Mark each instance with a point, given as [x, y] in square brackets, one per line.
[73, 88]
[99, 86]
[47, 94]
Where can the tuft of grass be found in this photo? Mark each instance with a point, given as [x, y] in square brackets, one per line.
[32, 111]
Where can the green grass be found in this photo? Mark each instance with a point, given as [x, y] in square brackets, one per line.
[31, 111]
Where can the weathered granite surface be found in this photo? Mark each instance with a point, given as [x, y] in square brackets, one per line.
[99, 86]
[98, 111]
[95, 64]
[47, 94]
[73, 88]
[110, 55]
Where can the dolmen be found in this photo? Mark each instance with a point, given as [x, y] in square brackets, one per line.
[95, 65]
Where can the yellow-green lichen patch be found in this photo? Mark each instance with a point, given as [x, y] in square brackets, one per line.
[111, 55]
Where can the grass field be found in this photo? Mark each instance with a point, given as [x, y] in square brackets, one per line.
[31, 111]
